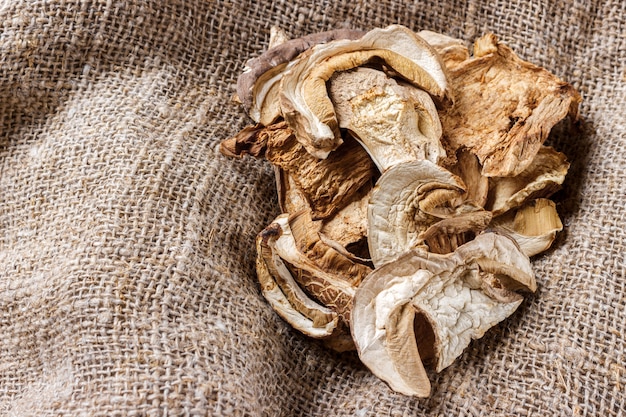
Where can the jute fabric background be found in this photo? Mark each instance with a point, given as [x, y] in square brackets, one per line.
[127, 282]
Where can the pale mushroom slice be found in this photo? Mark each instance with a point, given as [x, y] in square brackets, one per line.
[406, 200]
[428, 307]
[257, 86]
[453, 52]
[533, 226]
[504, 108]
[304, 98]
[395, 122]
[541, 178]
[284, 294]
[325, 274]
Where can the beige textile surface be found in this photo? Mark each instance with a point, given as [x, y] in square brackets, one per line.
[127, 283]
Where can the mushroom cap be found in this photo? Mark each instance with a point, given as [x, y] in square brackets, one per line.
[304, 99]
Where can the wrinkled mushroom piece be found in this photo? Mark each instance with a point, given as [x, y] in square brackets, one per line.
[327, 184]
[304, 98]
[504, 108]
[395, 122]
[425, 307]
[258, 85]
[533, 226]
[541, 178]
[406, 200]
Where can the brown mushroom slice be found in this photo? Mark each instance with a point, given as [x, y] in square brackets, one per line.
[504, 108]
[395, 122]
[257, 86]
[541, 178]
[284, 294]
[348, 226]
[442, 296]
[327, 184]
[533, 226]
[406, 200]
[304, 99]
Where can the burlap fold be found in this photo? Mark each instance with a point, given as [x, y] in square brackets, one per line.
[127, 282]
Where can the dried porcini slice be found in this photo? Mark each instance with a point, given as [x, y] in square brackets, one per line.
[394, 121]
[257, 87]
[304, 99]
[445, 290]
[504, 108]
[414, 186]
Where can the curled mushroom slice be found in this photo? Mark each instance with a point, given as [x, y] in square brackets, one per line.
[504, 108]
[257, 86]
[406, 200]
[533, 226]
[541, 178]
[284, 294]
[304, 99]
[395, 122]
[425, 306]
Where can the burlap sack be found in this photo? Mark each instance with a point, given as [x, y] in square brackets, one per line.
[127, 282]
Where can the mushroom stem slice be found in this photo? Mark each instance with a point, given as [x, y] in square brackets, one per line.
[404, 203]
[304, 99]
[449, 295]
[533, 226]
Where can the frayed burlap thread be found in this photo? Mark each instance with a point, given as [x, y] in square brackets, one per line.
[127, 280]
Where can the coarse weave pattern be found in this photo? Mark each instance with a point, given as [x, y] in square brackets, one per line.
[127, 281]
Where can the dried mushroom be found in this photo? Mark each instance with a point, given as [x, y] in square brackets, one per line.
[450, 295]
[541, 178]
[304, 99]
[257, 87]
[533, 226]
[504, 108]
[406, 201]
[413, 184]
[395, 122]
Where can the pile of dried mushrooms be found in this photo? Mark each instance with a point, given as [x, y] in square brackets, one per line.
[414, 186]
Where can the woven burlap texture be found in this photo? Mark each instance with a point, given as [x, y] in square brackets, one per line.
[127, 280]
